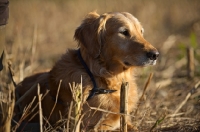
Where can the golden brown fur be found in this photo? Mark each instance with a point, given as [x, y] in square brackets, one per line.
[112, 45]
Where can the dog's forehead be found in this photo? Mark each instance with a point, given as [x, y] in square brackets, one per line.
[130, 17]
[124, 18]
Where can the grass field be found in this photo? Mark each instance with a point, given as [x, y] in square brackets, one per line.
[40, 31]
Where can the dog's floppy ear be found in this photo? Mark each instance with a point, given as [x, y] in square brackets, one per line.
[90, 33]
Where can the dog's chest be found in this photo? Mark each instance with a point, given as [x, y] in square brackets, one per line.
[115, 84]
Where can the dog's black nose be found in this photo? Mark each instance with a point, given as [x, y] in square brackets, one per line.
[153, 55]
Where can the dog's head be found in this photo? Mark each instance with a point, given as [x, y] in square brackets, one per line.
[117, 38]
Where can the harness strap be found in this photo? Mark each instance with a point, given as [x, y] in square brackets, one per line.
[95, 89]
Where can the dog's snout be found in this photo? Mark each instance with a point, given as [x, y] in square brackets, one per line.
[153, 55]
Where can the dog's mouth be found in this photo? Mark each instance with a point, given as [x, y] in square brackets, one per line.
[152, 62]
[144, 63]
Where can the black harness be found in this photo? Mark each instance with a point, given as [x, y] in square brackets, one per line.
[95, 90]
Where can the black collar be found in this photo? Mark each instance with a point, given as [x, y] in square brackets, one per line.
[95, 89]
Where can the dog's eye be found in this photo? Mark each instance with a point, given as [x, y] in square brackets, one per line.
[125, 32]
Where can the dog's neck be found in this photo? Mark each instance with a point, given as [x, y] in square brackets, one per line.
[99, 67]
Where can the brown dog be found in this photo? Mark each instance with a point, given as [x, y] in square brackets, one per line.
[112, 46]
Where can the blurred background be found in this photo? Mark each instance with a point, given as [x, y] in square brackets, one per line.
[40, 31]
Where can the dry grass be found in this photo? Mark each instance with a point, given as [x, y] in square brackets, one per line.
[40, 31]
